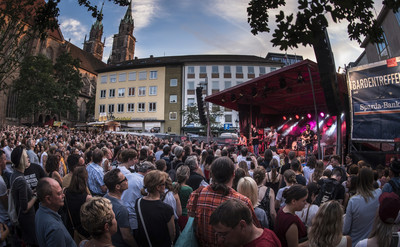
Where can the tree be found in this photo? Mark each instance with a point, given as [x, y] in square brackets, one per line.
[44, 87]
[22, 23]
[191, 116]
[309, 28]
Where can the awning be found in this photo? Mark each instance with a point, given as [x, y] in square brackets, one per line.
[284, 91]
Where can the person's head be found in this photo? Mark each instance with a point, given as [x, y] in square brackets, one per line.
[312, 161]
[231, 221]
[327, 173]
[166, 150]
[295, 165]
[154, 181]
[128, 155]
[243, 151]
[239, 173]
[290, 176]
[337, 174]
[50, 193]
[248, 187]
[222, 170]
[192, 162]
[395, 168]
[296, 196]
[349, 159]
[365, 183]
[327, 225]
[98, 218]
[3, 160]
[79, 180]
[178, 152]
[307, 126]
[313, 190]
[19, 158]
[73, 161]
[182, 174]
[335, 160]
[353, 170]
[161, 165]
[259, 174]
[52, 163]
[97, 156]
[292, 155]
[115, 181]
[145, 167]
[243, 165]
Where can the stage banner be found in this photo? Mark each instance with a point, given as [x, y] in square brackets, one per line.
[374, 92]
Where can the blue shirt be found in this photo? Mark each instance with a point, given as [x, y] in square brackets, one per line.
[95, 178]
[50, 230]
[122, 218]
[388, 188]
[129, 196]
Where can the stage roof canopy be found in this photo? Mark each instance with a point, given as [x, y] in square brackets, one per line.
[284, 91]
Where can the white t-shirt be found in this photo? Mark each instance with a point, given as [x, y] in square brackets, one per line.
[279, 196]
[364, 242]
[311, 213]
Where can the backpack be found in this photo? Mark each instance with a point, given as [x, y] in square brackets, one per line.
[328, 191]
[265, 205]
[12, 211]
[395, 188]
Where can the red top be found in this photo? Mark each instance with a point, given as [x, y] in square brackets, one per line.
[283, 222]
[267, 239]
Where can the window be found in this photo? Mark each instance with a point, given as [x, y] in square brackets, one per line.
[215, 69]
[228, 118]
[173, 98]
[239, 82]
[239, 70]
[121, 92]
[142, 91]
[153, 75]
[215, 85]
[122, 77]
[103, 94]
[397, 14]
[190, 70]
[173, 115]
[227, 69]
[262, 70]
[173, 82]
[228, 84]
[111, 108]
[250, 70]
[131, 107]
[152, 106]
[142, 75]
[103, 79]
[102, 108]
[131, 91]
[141, 107]
[111, 93]
[153, 90]
[383, 48]
[190, 102]
[113, 78]
[190, 85]
[273, 69]
[203, 69]
[120, 108]
[132, 76]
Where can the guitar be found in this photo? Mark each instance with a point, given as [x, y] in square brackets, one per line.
[307, 139]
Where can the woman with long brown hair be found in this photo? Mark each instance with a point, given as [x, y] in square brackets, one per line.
[290, 179]
[266, 196]
[273, 178]
[327, 225]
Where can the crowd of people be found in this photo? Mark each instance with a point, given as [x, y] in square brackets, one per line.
[63, 187]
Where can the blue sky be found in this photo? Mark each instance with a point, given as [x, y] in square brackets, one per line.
[186, 27]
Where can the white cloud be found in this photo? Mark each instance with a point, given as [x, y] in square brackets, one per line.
[73, 29]
[144, 12]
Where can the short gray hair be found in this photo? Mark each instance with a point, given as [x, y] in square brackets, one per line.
[191, 162]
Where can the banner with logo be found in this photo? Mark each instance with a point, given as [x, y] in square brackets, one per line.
[374, 91]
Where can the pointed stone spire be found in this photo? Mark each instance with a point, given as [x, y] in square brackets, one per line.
[98, 23]
[128, 15]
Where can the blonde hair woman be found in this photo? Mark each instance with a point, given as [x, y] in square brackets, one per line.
[326, 228]
[248, 187]
[98, 219]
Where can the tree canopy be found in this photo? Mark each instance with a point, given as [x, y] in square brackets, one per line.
[311, 18]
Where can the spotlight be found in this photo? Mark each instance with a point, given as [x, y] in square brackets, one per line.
[282, 83]
[300, 78]
[322, 114]
[284, 118]
[297, 116]
[327, 115]
[302, 117]
[223, 100]
[309, 115]
[290, 118]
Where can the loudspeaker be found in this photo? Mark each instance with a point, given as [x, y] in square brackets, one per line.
[200, 105]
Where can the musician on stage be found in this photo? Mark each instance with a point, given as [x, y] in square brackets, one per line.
[254, 139]
[272, 139]
[242, 141]
[307, 138]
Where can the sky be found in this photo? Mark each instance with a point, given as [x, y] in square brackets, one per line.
[190, 27]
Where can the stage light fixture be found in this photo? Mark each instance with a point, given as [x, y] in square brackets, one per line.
[322, 114]
[309, 115]
[290, 118]
[297, 116]
[284, 118]
[300, 78]
[302, 117]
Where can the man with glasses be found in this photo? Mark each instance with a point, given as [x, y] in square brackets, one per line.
[117, 183]
[233, 225]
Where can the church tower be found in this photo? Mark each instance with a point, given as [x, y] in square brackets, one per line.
[124, 42]
[94, 44]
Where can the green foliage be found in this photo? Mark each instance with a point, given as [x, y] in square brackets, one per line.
[305, 26]
[44, 87]
[191, 116]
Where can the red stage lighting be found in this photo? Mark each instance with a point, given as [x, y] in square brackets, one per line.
[284, 118]
[309, 115]
[297, 116]
[322, 114]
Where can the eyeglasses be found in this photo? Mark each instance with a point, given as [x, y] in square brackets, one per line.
[123, 180]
